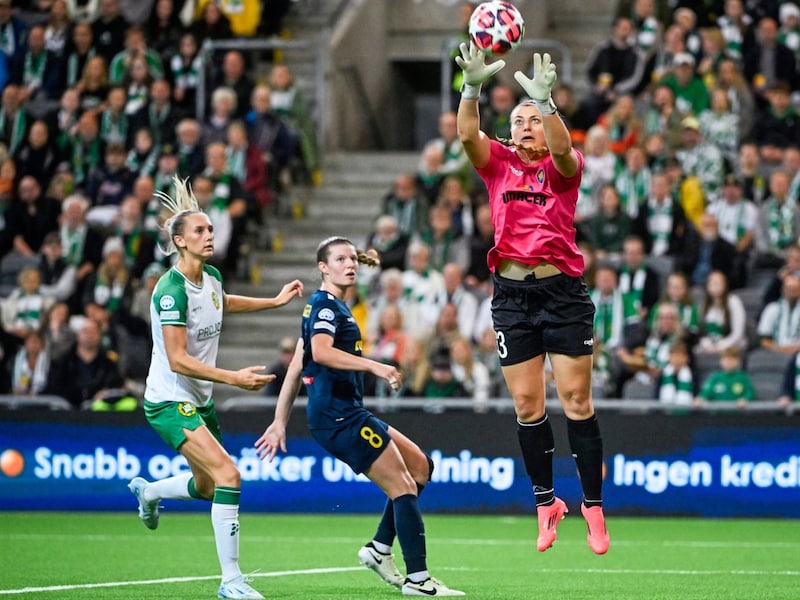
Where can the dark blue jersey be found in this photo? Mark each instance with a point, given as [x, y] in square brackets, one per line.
[333, 394]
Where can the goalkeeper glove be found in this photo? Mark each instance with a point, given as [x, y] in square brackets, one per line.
[475, 69]
[540, 87]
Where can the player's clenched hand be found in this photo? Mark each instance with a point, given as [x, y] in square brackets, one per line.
[251, 378]
[272, 439]
[473, 64]
[389, 374]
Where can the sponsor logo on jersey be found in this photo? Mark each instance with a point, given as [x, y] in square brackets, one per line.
[326, 314]
[307, 310]
[215, 300]
[166, 302]
[515, 171]
[359, 346]
[525, 195]
[589, 342]
[186, 409]
[324, 325]
[308, 380]
[208, 332]
[169, 315]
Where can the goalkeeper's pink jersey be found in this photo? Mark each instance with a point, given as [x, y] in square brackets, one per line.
[533, 211]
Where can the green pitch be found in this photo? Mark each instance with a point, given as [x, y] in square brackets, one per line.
[109, 555]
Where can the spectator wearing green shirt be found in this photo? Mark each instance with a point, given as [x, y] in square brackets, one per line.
[691, 94]
[729, 384]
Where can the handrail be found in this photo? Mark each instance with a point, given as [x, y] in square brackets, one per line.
[564, 62]
[507, 405]
[18, 401]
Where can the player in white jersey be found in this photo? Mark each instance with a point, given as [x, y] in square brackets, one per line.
[187, 307]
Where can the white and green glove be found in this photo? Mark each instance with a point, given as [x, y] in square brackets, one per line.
[473, 64]
[539, 88]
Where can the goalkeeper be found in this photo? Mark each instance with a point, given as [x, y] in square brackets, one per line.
[541, 303]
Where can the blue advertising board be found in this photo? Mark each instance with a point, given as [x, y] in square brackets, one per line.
[655, 465]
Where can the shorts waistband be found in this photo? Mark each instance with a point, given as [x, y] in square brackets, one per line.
[517, 271]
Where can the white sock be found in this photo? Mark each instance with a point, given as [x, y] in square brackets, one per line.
[225, 519]
[382, 548]
[419, 576]
[173, 488]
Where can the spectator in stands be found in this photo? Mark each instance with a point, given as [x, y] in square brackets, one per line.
[158, 114]
[713, 53]
[791, 164]
[191, 159]
[719, 125]
[82, 245]
[244, 162]
[614, 67]
[789, 33]
[612, 311]
[661, 63]
[406, 204]
[676, 383]
[218, 212]
[691, 94]
[779, 324]
[288, 101]
[390, 293]
[142, 158]
[86, 372]
[389, 242]
[458, 294]
[278, 368]
[472, 375]
[609, 227]
[441, 382]
[31, 217]
[78, 53]
[110, 182]
[62, 124]
[649, 30]
[737, 218]
[110, 286]
[662, 116]
[13, 116]
[453, 195]
[729, 384]
[31, 366]
[139, 245]
[478, 275]
[136, 82]
[790, 388]
[85, 148]
[423, 286]
[108, 30]
[735, 26]
[211, 24]
[637, 278]
[135, 47]
[723, 320]
[37, 156]
[440, 236]
[495, 116]
[114, 121]
[687, 190]
[25, 308]
[58, 278]
[486, 354]
[778, 223]
[700, 159]
[234, 76]
[185, 66]
[58, 335]
[752, 173]
[767, 61]
[36, 71]
[600, 165]
[267, 131]
[686, 18]
[143, 296]
[661, 222]
[730, 78]
[777, 126]
[633, 181]
[711, 253]
[13, 33]
[388, 345]
[163, 29]
[428, 178]
[455, 161]
[677, 293]
[415, 369]
[93, 84]
[622, 124]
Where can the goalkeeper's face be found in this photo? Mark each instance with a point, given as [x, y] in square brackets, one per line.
[527, 131]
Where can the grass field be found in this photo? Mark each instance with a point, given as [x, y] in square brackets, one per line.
[110, 555]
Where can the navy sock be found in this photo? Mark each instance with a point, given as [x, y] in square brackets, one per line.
[386, 530]
[410, 532]
[587, 449]
[537, 445]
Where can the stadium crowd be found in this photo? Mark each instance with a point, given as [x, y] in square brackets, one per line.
[98, 111]
[687, 216]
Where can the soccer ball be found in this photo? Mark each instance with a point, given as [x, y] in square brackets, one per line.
[496, 27]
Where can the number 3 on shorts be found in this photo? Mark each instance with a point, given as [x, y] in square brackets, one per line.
[502, 349]
[372, 438]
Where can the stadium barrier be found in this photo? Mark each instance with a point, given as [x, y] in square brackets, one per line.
[711, 464]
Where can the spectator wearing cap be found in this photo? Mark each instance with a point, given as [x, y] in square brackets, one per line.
[700, 159]
[789, 34]
[691, 94]
[737, 218]
[768, 61]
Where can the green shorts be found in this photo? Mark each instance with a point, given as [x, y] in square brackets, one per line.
[170, 419]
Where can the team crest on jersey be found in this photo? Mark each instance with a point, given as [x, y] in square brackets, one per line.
[326, 314]
[540, 176]
[307, 310]
[166, 302]
[515, 171]
[215, 300]
[186, 409]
